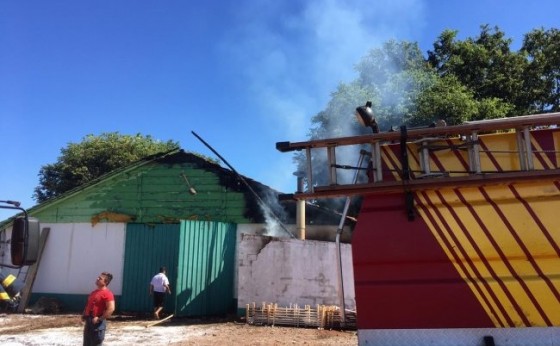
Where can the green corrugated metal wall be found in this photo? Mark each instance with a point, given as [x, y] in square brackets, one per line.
[199, 256]
[147, 248]
[206, 268]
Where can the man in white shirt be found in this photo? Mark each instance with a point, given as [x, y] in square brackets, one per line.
[159, 286]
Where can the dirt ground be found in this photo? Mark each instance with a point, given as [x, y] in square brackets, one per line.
[25, 329]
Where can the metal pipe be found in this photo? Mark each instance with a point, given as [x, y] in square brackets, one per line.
[331, 157]
[310, 186]
[528, 148]
[300, 208]
[521, 149]
[337, 241]
[475, 149]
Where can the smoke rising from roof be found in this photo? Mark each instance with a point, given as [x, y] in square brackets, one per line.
[274, 215]
[291, 85]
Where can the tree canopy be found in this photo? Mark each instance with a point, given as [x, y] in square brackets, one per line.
[94, 156]
[541, 87]
[459, 80]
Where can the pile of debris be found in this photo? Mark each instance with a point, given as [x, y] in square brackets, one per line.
[323, 316]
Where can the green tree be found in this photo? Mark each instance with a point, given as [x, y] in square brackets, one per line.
[459, 80]
[453, 102]
[391, 77]
[394, 75]
[542, 78]
[94, 156]
[485, 65]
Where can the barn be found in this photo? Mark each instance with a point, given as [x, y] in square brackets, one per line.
[176, 209]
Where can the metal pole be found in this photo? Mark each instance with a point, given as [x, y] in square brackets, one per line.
[259, 199]
[338, 252]
[300, 208]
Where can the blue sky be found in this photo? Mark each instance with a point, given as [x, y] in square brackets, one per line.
[242, 74]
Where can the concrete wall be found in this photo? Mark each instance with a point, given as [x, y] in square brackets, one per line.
[273, 270]
[290, 271]
[312, 232]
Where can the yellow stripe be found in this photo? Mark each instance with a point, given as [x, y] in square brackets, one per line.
[8, 280]
[503, 148]
[539, 247]
[389, 154]
[529, 283]
[544, 200]
[413, 164]
[507, 245]
[452, 251]
[4, 296]
[517, 259]
[486, 266]
[450, 159]
[537, 157]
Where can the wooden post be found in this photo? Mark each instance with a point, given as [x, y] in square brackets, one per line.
[32, 272]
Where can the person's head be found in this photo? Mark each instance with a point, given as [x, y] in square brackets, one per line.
[104, 279]
[162, 270]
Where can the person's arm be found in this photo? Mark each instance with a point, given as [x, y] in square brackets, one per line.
[151, 289]
[109, 309]
[166, 285]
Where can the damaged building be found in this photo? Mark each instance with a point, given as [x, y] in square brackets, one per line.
[204, 222]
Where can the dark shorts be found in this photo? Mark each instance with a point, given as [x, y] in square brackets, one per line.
[158, 299]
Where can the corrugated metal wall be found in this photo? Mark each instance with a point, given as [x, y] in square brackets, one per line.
[205, 274]
[199, 256]
[147, 248]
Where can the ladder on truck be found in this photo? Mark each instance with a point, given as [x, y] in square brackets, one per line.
[428, 140]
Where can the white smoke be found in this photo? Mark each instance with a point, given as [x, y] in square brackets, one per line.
[296, 53]
[274, 215]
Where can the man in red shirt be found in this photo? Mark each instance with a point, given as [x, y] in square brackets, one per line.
[100, 305]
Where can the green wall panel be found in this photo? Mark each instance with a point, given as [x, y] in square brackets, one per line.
[199, 256]
[205, 274]
[147, 248]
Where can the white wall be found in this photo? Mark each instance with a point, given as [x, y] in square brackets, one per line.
[75, 255]
[289, 271]
[273, 270]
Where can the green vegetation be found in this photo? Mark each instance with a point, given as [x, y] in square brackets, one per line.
[94, 156]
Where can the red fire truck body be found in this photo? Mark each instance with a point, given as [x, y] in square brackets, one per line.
[458, 239]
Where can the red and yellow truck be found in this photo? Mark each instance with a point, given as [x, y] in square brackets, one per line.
[458, 238]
